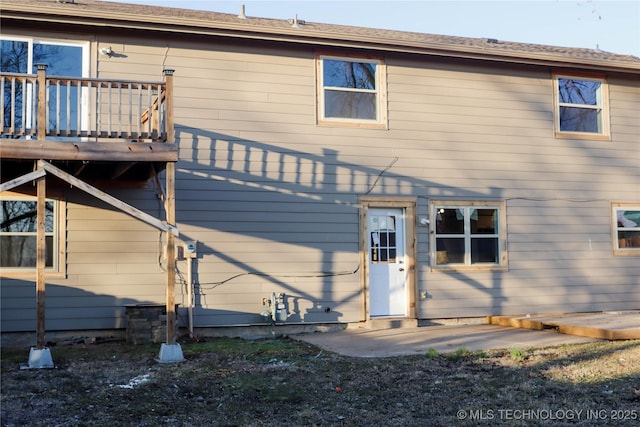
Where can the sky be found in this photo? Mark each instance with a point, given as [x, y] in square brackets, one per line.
[609, 25]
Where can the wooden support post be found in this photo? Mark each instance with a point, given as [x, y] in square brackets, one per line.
[170, 207]
[40, 260]
[42, 101]
[171, 351]
[168, 77]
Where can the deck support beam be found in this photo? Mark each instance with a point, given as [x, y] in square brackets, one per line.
[31, 176]
[118, 204]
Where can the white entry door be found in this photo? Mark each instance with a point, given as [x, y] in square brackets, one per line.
[387, 267]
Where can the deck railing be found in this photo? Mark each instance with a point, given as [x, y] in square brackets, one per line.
[41, 106]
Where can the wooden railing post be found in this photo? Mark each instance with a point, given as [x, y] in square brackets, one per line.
[42, 101]
[168, 78]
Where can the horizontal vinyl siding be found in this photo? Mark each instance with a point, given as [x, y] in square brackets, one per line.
[258, 209]
[455, 134]
[259, 183]
[254, 188]
[272, 198]
[110, 253]
[558, 191]
[112, 261]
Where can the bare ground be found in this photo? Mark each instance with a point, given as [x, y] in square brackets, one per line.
[284, 382]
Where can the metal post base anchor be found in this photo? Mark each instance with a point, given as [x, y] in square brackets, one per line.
[39, 359]
[170, 353]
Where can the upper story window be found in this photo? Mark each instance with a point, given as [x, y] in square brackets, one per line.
[18, 235]
[581, 107]
[351, 91]
[469, 234]
[626, 229]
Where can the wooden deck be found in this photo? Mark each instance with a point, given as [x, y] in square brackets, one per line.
[116, 131]
[61, 131]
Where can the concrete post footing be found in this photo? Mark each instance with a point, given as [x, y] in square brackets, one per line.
[170, 353]
[40, 358]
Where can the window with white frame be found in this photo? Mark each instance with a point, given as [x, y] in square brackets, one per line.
[18, 234]
[581, 106]
[626, 229]
[469, 234]
[351, 91]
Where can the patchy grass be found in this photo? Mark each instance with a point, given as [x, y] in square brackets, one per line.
[432, 353]
[464, 353]
[518, 354]
[458, 354]
[284, 382]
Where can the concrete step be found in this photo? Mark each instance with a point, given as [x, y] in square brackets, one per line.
[390, 323]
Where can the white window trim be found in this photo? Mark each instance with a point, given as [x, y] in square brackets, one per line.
[603, 106]
[617, 250]
[502, 236]
[381, 91]
[59, 241]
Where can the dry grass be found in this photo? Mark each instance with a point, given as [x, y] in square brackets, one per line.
[284, 382]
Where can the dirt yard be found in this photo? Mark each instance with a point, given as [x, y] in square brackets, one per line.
[284, 382]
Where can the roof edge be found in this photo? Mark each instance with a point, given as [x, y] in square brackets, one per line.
[305, 35]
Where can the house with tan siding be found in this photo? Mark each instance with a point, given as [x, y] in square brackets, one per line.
[256, 171]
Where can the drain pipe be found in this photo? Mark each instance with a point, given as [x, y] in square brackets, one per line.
[190, 294]
[190, 253]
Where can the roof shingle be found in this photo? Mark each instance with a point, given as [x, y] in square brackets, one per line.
[185, 20]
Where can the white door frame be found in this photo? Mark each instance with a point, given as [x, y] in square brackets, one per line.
[408, 204]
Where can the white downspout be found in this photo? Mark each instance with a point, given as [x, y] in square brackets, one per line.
[190, 293]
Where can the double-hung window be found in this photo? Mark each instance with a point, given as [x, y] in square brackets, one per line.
[581, 107]
[469, 234]
[626, 229]
[351, 91]
[18, 235]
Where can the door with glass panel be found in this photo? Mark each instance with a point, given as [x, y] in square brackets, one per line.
[387, 263]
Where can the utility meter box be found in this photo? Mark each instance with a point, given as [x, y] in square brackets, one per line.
[191, 249]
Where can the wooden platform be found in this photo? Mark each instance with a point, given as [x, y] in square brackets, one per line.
[613, 325]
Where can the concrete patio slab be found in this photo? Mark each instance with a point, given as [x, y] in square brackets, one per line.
[444, 339]
[500, 332]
